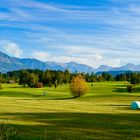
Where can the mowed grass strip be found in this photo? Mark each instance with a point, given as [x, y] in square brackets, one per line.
[103, 113]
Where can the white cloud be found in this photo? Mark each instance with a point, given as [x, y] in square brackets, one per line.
[12, 48]
[65, 59]
[85, 60]
[40, 55]
[114, 41]
[112, 62]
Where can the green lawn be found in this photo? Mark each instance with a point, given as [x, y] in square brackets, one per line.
[104, 113]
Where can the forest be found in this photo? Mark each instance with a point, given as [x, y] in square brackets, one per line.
[38, 78]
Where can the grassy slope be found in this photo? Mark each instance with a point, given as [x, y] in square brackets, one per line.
[104, 113]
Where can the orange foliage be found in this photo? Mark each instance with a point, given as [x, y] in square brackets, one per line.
[78, 86]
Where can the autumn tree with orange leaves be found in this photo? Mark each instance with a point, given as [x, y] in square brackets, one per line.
[78, 86]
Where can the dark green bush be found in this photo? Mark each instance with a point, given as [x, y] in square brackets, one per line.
[130, 88]
[7, 132]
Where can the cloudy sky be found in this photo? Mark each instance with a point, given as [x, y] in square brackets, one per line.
[92, 32]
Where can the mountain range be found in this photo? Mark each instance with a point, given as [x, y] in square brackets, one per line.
[8, 63]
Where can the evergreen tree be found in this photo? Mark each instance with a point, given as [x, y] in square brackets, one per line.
[32, 80]
[23, 77]
[66, 76]
[47, 77]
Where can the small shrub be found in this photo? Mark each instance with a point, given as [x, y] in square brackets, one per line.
[7, 132]
[130, 88]
[39, 85]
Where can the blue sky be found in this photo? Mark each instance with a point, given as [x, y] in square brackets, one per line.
[92, 32]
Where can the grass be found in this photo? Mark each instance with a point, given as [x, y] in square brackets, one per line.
[103, 113]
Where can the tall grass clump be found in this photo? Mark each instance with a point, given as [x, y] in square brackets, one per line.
[7, 132]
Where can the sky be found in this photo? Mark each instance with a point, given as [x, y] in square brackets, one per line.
[92, 32]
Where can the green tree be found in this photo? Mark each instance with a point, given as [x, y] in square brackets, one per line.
[135, 78]
[93, 77]
[23, 78]
[32, 80]
[59, 78]
[56, 83]
[66, 77]
[88, 77]
[47, 77]
[100, 78]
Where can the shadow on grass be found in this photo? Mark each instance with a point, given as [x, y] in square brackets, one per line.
[49, 98]
[76, 126]
[30, 96]
[137, 89]
[123, 89]
[17, 94]
[120, 105]
[66, 98]
[16, 87]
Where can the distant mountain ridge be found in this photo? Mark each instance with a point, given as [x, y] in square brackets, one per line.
[8, 63]
[104, 68]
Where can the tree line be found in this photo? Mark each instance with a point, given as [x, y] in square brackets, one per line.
[33, 78]
[38, 78]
